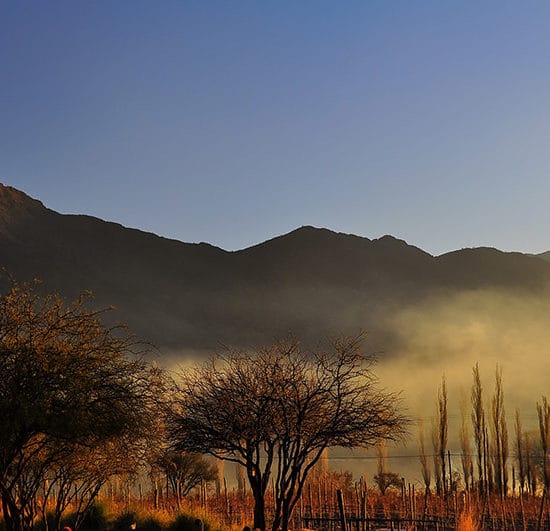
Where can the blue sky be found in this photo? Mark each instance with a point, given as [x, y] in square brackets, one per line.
[232, 122]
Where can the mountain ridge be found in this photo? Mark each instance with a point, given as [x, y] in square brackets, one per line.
[24, 197]
[310, 281]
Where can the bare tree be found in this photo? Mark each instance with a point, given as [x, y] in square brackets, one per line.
[500, 436]
[426, 471]
[530, 465]
[465, 445]
[440, 437]
[185, 471]
[75, 481]
[436, 457]
[543, 411]
[478, 422]
[520, 454]
[385, 479]
[275, 410]
[240, 476]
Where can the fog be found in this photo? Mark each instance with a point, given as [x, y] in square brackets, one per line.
[447, 336]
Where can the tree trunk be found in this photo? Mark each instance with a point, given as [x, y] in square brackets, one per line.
[276, 524]
[13, 517]
[259, 507]
[285, 518]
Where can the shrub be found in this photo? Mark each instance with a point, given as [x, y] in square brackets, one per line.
[185, 522]
[124, 521]
[94, 519]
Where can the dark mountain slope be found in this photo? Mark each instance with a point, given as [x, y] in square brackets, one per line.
[485, 267]
[191, 296]
[324, 257]
[146, 277]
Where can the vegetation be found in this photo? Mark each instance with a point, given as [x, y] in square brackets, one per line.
[75, 406]
[277, 409]
[385, 479]
[96, 438]
[184, 471]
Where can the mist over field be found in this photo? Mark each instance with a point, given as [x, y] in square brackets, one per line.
[446, 335]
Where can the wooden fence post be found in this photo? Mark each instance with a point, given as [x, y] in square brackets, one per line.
[341, 508]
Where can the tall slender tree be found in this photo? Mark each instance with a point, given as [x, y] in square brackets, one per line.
[478, 423]
[500, 436]
[465, 446]
[424, 464]
[442, 432]
[543, 411]
[520, 453]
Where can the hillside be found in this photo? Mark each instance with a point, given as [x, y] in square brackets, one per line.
[311, 281]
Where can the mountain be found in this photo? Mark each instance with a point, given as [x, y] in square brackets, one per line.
[312, 282]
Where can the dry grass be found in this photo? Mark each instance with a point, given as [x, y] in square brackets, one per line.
[467, 522]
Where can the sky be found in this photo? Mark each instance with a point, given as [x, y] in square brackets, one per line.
[233, 122]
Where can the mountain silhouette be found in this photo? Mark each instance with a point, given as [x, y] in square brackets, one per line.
[311, 282]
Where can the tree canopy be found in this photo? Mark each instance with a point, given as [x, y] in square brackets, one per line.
[67, 383]
[275, 410]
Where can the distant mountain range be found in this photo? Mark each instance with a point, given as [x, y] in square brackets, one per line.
[312, 282]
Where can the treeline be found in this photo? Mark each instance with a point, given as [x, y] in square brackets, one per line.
[79, 405]
[74, 408]
[492, 460]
